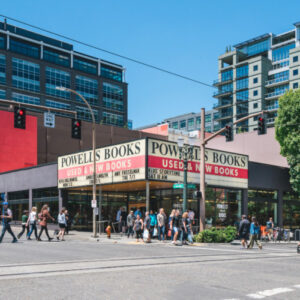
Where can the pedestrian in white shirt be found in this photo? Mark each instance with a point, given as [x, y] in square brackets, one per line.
[62, 223]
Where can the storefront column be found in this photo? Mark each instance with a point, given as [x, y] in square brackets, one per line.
[100, 203]
[147, 195]
[30, 199]
[60, 200]
[280, 209]
[245, 202]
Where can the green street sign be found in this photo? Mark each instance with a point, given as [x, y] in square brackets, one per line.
[181, 186]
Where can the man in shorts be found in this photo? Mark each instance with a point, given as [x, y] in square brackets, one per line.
[244, 230]
[176, 226]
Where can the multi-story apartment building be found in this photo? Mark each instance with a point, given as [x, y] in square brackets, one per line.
[33, 65]
[192, 121]
[255, 74]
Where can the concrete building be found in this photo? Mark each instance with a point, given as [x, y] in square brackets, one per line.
[254, 75]
[33, 65]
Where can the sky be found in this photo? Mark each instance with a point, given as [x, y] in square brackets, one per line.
[182, 36]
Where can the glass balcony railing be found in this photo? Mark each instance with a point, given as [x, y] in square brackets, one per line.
[224, 80]
[223, 103]
[222, 92]
[224, 115]
[276, 80]
[276, 93]
[272, 107]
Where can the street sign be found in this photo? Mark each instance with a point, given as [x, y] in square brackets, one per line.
[49, 120]
[94, 203]
[181, 186]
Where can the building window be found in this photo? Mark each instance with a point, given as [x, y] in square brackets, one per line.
[295, 85]
[2, 69]
[83, 113]
[113, 119]
[242, 96]
[242, 71]
[255, 93]
[56, 104]
[111, 73]
[282, 52]
[207, 118]
[56, 58]
[88, 88]
[182, 124]
[175, 125]
[2, 42]
[295, 58]
[255, 105]
[2, 94]
[198, 122]
[256, 48]
[191, 124]
[227, 75]
[56, 78]
[26, 99]
[242, 84]
[255, 68]
[85, 66]
[25, 49]
[255, 80]
[295, 72]
[25, 75]
[113, 97]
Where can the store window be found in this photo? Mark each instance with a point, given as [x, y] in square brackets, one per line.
[2, 69]
[291, 210]
[18, 202]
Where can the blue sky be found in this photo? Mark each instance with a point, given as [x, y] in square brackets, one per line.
[185, 37]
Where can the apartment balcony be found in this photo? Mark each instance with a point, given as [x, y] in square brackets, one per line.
[274, 95]
[271, 121]
[272, 107]
[223, 93]
[223, 116]
[223, 104]
[276, 81]
[218, 82]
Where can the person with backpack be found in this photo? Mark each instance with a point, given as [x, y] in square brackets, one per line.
[244, 229]
[44, 216]
[24, 224]
[138, 228]
[32, 223]
[62, 223]
[6, 218]
[254, 232]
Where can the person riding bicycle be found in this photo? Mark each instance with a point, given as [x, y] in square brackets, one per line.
[270, 228]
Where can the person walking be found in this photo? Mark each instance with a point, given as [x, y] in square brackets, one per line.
[68, 222]
[118, 219]
[176, 227]
[254, 232]
[44, 216]
[130, 224]
[123, 220]
[161, 221]
[244, 229]
[153, 222]
[32, 223]
[270, 228]
[24, 224]
[6, 218]
[138, 212]
[147, 226]
[171, 231]
[187, 228]
[62, 223]
[138, 228]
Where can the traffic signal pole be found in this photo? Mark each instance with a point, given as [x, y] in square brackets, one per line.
[203, 142]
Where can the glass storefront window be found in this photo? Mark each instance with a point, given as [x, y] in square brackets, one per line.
[18, 202]
[291, 210]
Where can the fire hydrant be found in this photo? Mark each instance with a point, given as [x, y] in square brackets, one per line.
[108, 231]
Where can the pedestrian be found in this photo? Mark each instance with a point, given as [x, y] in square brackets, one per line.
[138, 228]
[130, 224]
[191, 216]
[187, 228]
[171, 231]
[244, 229]
[153, 222]
[68, 222]
[138, 212]
[176, 227]
[62, 223]
[147, 222]
[44, 216]
[118, 219]
[123, 220]
[32, 223]
[270, 228]
[6, 218]
[24, 224]
[161, 221]
[254, 232]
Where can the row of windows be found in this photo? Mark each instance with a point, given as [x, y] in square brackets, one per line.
[55, 78]
[282, 52]
[26, 99]
[191, 122]
[242, 96]
[84, 113]
[56, 104]
[227, 75]
[62, 59]
[112, 91]
[113, 119]
[88, 88]
[242, 84]
[113, 104]
[256, 48]
[2, 69]
[242, 71]
[2, 94]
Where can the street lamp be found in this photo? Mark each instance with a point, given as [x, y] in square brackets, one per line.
[185, 153]
[61, 88]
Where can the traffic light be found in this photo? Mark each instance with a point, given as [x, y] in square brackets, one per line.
[229, 133]
[19, 117]
[262, 129]
[76, 129]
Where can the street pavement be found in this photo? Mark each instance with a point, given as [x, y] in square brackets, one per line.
[86, 268]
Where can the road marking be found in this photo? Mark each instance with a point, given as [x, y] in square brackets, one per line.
[297, 286]
[268, 293]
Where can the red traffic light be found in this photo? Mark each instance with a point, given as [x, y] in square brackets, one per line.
[21, 112]
[260, 119]
[77, 124]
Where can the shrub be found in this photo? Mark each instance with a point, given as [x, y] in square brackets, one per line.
[214, 235]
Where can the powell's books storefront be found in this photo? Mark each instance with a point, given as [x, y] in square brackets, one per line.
[142, 173]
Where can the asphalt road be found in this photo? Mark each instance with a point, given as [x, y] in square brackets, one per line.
[93, 270]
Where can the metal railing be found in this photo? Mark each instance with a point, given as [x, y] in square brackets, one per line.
[272, 107]
[277, 93]
[276, 80]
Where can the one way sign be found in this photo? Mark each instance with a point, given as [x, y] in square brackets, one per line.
[49, 120]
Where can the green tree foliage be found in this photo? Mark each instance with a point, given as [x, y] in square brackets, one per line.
[287, 129]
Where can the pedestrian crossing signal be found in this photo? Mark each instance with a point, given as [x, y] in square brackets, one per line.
[19, 117]
[76, 129]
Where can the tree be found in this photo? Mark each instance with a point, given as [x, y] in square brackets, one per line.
[287, 132]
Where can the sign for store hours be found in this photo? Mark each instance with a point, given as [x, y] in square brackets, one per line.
[153, 160]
